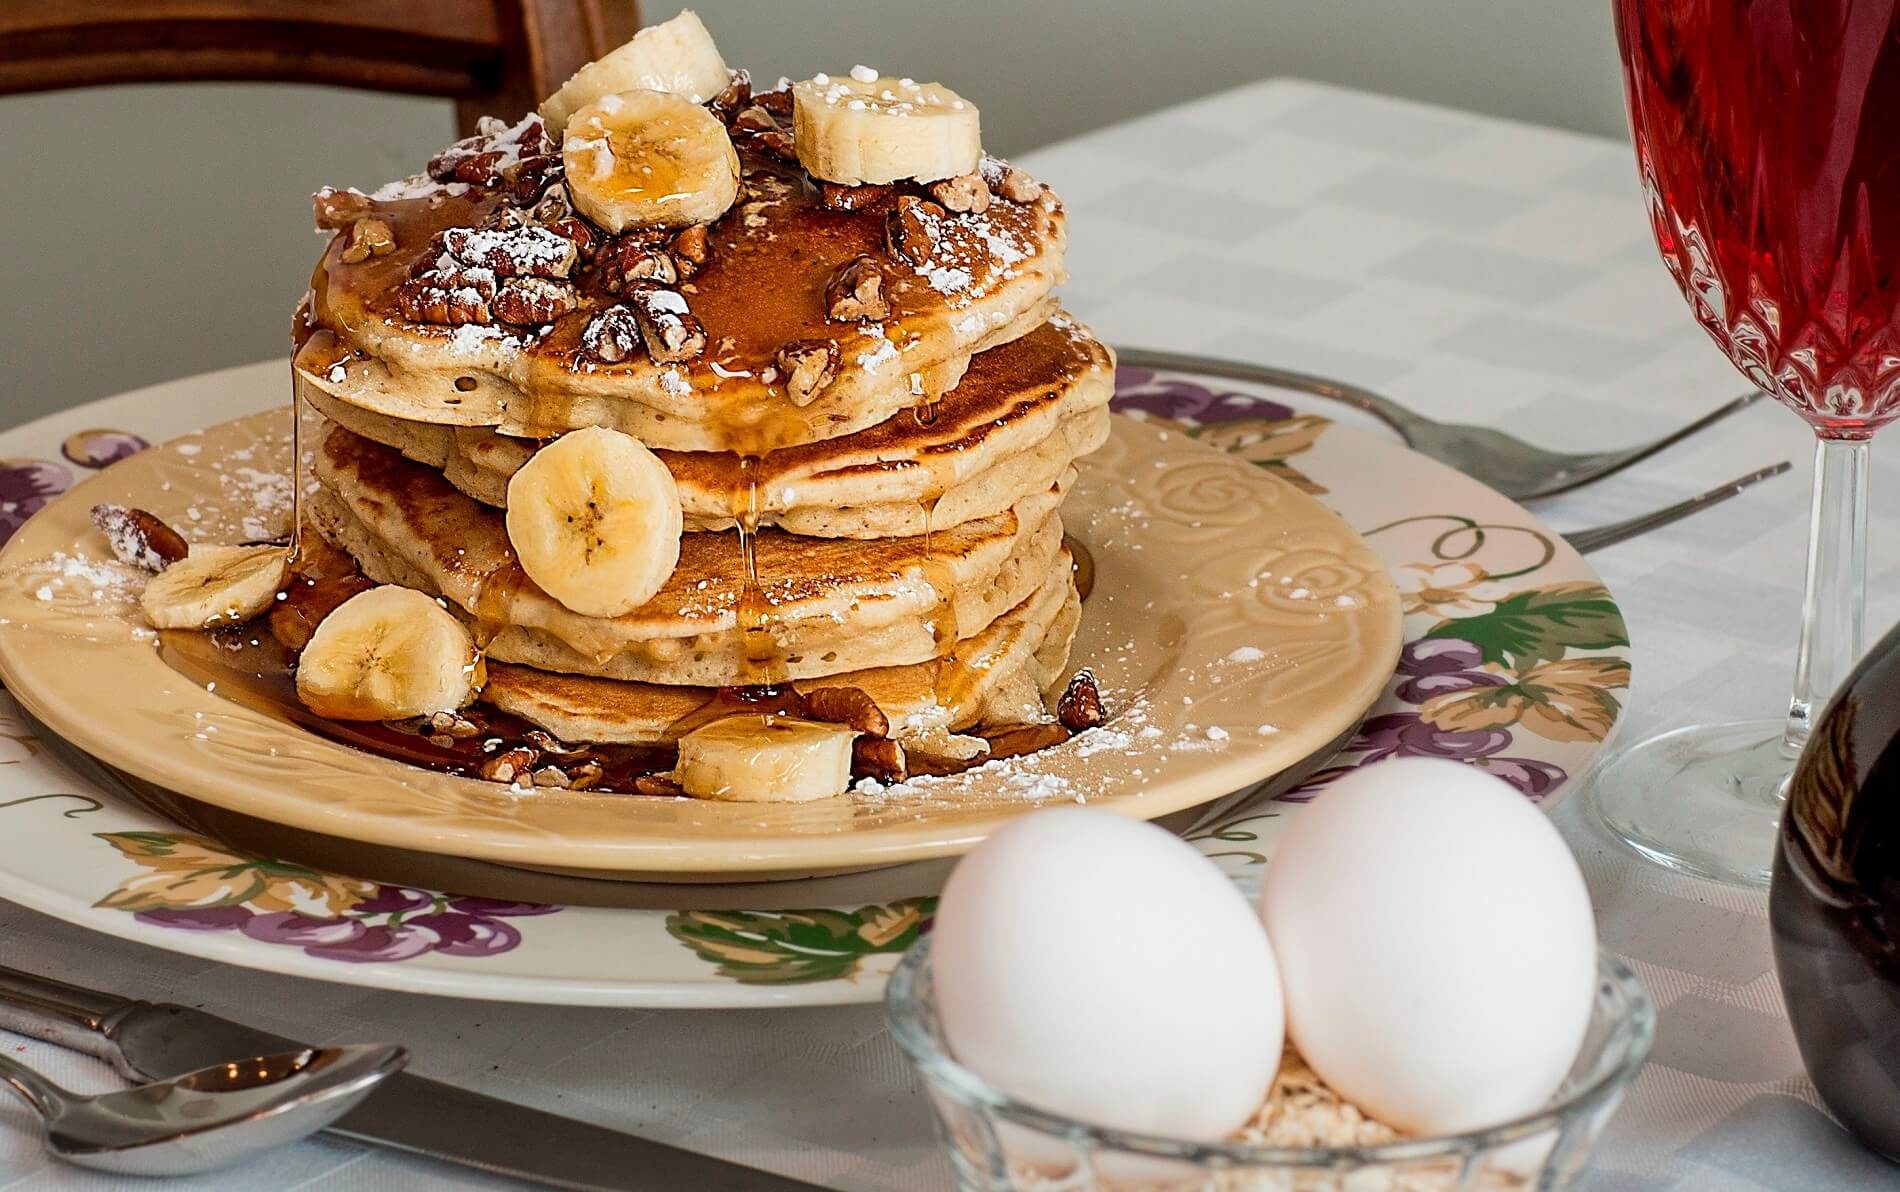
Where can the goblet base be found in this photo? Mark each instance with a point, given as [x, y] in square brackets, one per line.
[1703, 800]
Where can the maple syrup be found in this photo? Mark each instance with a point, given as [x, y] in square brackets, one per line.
[760, 660]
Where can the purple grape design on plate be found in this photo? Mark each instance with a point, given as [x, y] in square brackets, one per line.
[1177, 398]
[26, 485]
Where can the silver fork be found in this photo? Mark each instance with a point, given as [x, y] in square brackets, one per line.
[1519, 470]
[1586, 541]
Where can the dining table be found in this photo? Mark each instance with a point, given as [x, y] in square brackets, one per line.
[1475, 268]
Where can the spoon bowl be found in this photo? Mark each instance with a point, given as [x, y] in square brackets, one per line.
[210, 1118]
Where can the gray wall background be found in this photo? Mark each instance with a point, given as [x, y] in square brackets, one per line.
[151, 232]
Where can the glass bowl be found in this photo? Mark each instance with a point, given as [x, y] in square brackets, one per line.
[996, 1143]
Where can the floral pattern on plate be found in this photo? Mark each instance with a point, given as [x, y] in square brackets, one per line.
[195, 884]
[1514, 662]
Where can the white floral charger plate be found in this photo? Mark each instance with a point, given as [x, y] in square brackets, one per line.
[1515, 659]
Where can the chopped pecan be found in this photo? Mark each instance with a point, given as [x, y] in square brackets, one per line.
[527, 301]
[529, 177]
[689, 249]
[612, 336]
[658, 785]
[964, 193]
[627, 261]
[738, 94]
[1018, 186]
[911, 229]
[856, 292]
[777, 102]
[835, 196]
[139, 538]
[667, 326]
[1028, 738]
[1081, 704]
[849, 706]
[453, 725]
[779, 143]
[528, 251]
[547, 742]
[553, 776]
[333, 208]
[579, 232]
[754, 119]
[809, 365]
[878, 758]
[369, 238]
[510, 765]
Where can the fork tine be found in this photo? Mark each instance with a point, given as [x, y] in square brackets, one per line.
[1563, 482]
[1596, 539]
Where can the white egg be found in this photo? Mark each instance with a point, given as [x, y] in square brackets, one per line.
[1436, 944]
[1101, 968]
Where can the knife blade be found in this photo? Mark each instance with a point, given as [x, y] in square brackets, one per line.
[147, 1040]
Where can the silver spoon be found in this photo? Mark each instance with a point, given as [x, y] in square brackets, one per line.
[208, 1118]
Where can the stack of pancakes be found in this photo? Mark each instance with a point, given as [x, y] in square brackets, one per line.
[897, 530]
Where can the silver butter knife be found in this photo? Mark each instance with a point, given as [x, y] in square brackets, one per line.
[147, 1040]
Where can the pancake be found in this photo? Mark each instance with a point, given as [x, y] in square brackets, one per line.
[999, 677]
[1022, 413]
[833, 605]
[987, 279]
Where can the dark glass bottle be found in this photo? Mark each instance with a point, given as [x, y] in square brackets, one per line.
[1835, 903]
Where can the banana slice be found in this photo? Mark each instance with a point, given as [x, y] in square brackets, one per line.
[758, 758]
[595, 519]
[388, 654]
[868, 128]
[649, 159]
[216, 585]
[676, 55]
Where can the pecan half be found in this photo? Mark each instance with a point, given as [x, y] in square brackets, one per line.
[754, 119]
[529, 177]
[779, 143]
[510, 765]
[533, 300]
[626, 262]
[738, 94]
[369, 238]
[1081, 704]
[964, 193]
[689, 249]
[911, 229]
[778, 102]
[1028, 738]
[333, 208]
[1018, 186]
[659, 786]
[835, 196]
[139, 538]
[446, 296]
[878, 758]
[612, 336]
[667, 326]
[856, 292]
[809, 365]
[849, 706]
[527, 251]
[578, 232]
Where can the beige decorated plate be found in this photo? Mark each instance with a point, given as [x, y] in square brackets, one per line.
[1237, 626]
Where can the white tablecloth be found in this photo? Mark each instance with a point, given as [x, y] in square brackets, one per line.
[1477, 269]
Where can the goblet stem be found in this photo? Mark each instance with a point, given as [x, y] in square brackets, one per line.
[1833, 612]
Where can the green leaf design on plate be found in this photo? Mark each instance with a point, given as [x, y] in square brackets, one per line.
[1540, 624]
[794, 947]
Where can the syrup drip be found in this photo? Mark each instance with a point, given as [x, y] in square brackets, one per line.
[760, 660]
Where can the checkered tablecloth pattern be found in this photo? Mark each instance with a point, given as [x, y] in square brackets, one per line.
[1474, 268]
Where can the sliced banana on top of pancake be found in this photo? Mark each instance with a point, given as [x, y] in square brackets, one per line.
[216, 585]
[595, 519]
[677, 56]
[649, 159]
[388, 654]
[874, 128]
[762, 758]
